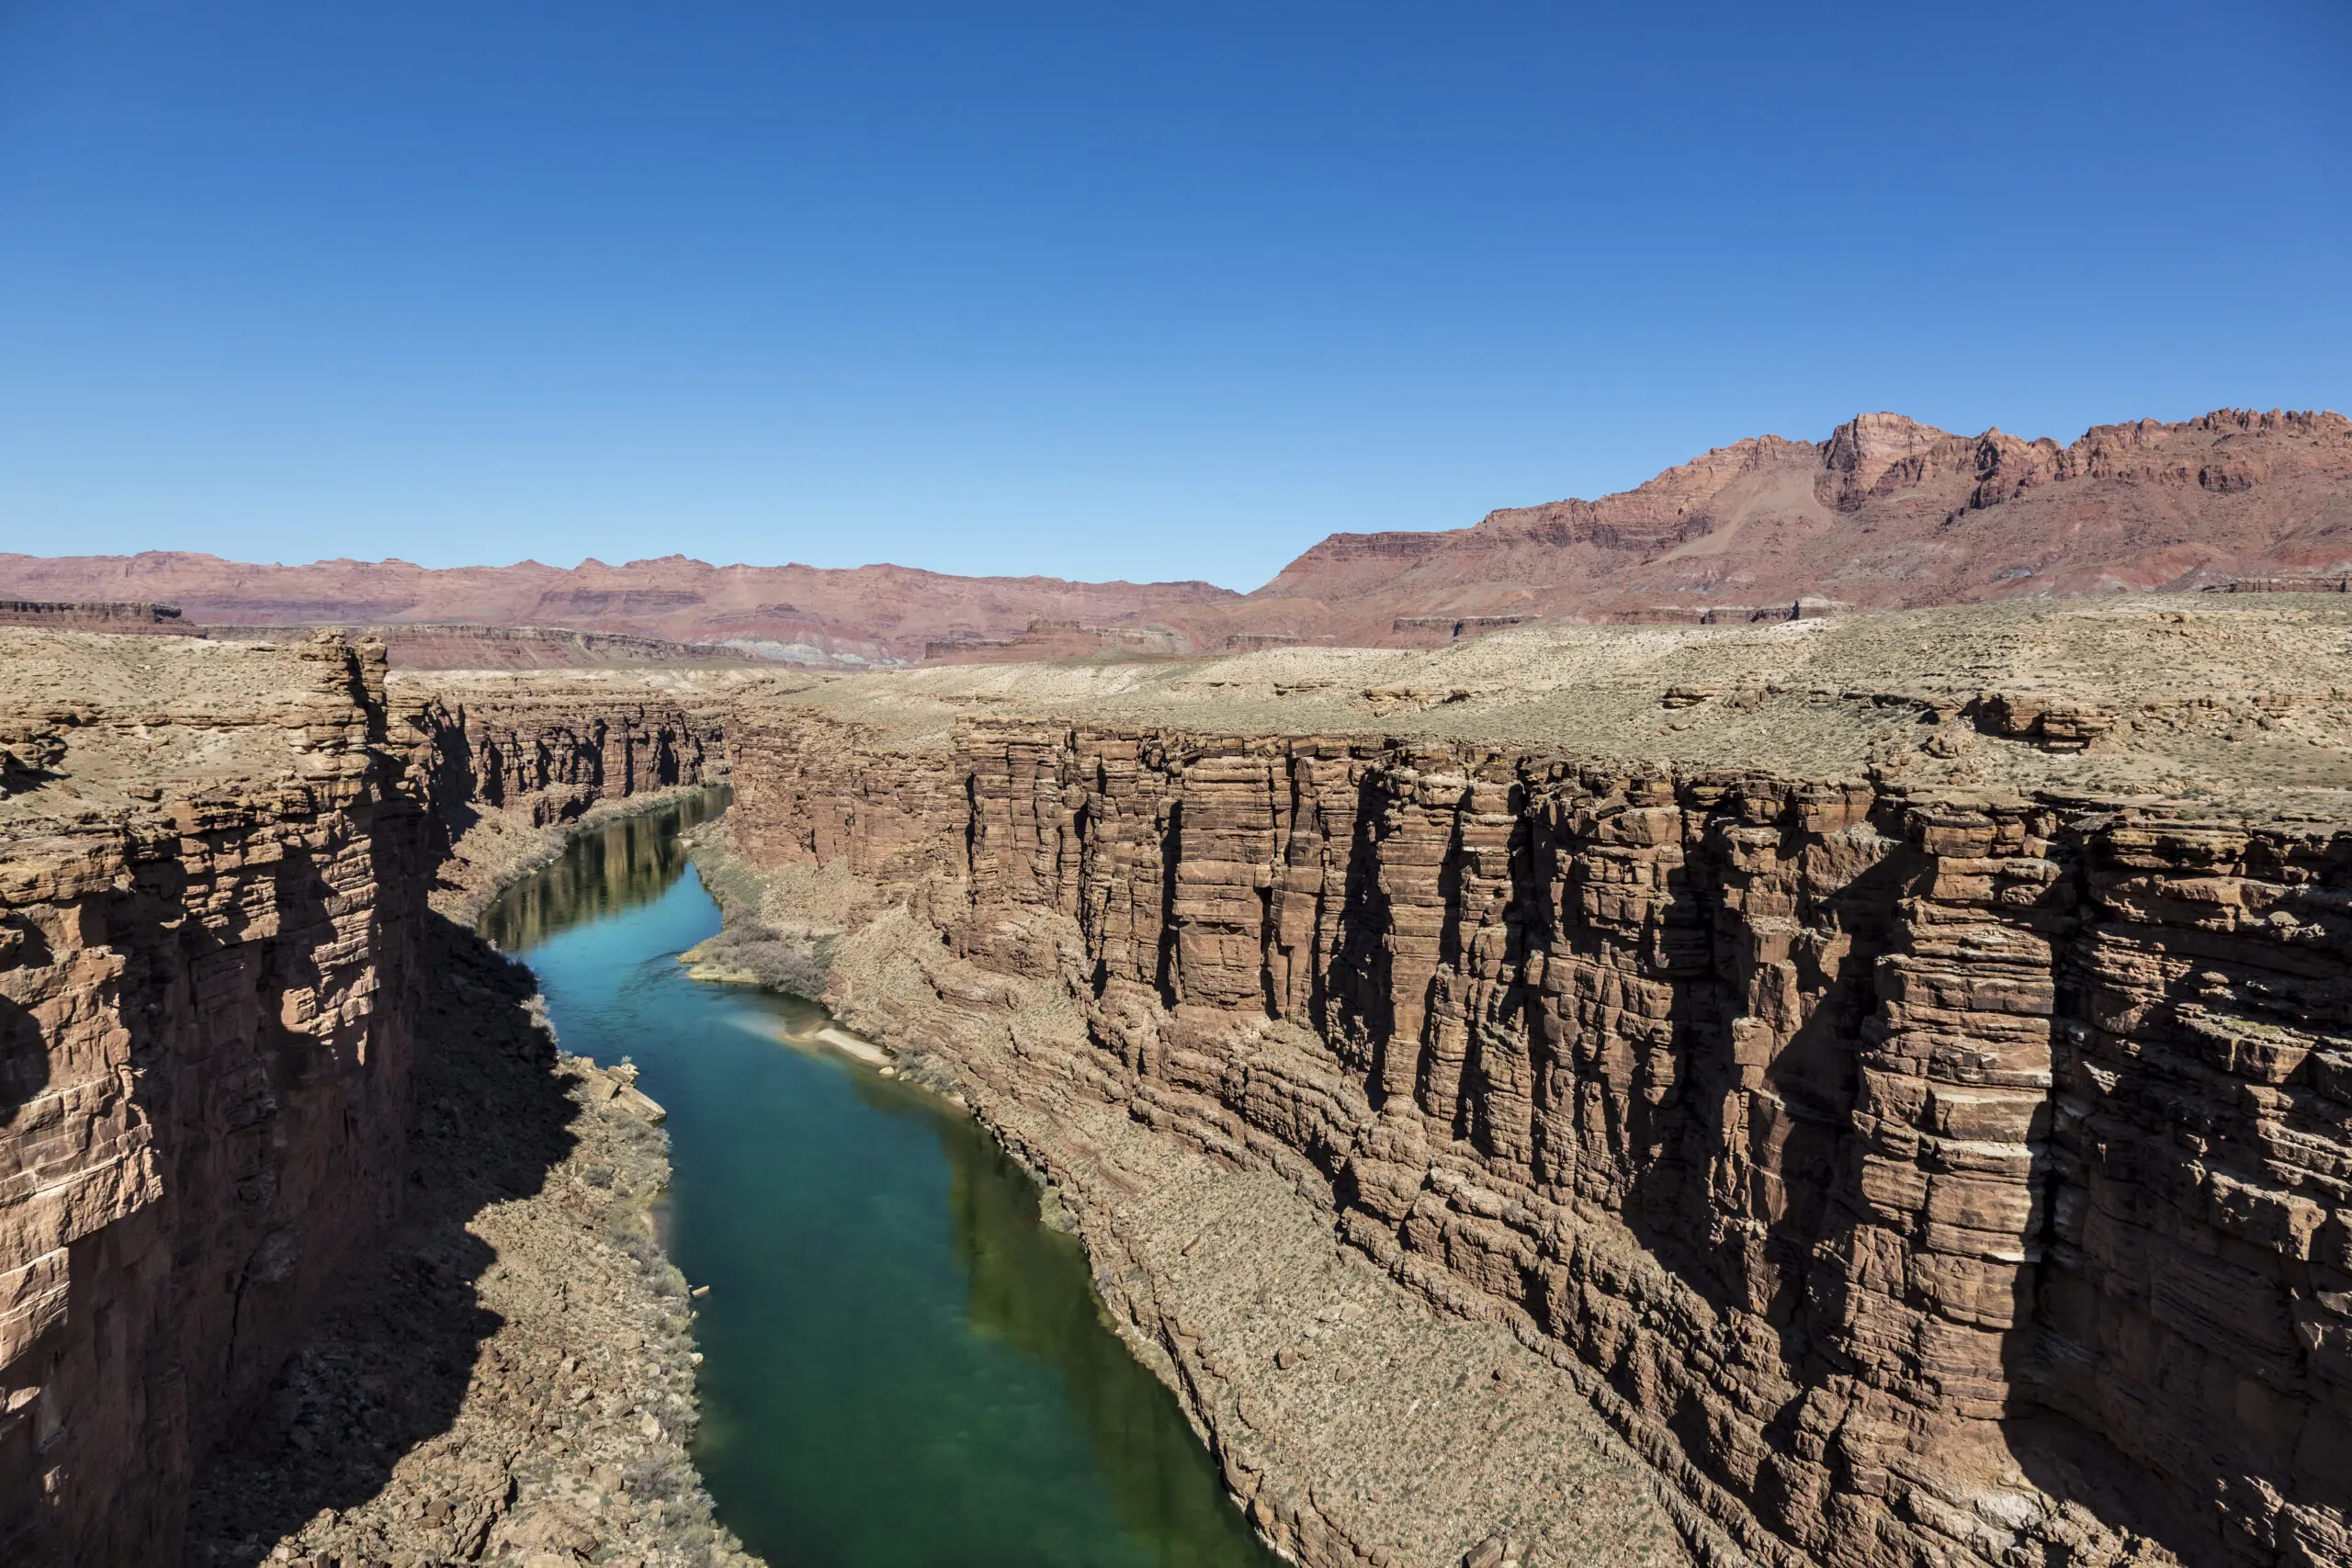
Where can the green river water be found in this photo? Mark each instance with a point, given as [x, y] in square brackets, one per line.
[903, 1368]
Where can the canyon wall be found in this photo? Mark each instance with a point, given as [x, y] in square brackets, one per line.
[1918, 1180]
[546, 752]
[213, 868]
[206, 1010]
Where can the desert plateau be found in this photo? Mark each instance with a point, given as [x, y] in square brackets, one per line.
[1867, 1090]
[1885, 513]
[1043, 786]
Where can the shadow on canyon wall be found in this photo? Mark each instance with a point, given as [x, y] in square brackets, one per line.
[2146, 1474]
[1689, 1143]
[386, 1364]
[24, 1059]
[24, 1049]
[1032, 1290]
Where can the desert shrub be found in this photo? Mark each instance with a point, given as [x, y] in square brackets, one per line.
[784, 962]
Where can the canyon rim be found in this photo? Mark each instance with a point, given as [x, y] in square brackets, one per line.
[946, 785]
[1871, 1090]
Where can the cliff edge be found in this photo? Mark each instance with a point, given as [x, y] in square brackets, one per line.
[1897, 1067]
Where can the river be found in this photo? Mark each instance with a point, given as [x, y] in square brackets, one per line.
[904, 1368]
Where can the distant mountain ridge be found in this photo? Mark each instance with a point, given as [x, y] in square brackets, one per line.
[1885, 513]
[862, 614]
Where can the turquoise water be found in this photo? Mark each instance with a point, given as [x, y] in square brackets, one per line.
[903, 1368]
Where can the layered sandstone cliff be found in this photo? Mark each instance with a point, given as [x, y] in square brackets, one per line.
[214, 863]
[548, 748]
[1914, 1171]
[208, 983]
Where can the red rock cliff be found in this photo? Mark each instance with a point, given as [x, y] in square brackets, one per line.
[205, 1012]
[1925, 1183]
[213, 864]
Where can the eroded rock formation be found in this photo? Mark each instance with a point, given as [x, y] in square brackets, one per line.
[1886, 511]
[1920, 1150]
[1924, 1180]
[214, 864]
[207, 1007]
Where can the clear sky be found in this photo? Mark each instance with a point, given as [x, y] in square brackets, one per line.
[1102, 288]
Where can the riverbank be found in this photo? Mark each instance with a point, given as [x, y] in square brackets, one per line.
[499, 848]
[1358, 1425]
[513, 1377]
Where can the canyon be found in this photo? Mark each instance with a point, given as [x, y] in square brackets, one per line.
[1885, 513]
[1864, 1090]
[221, 983]
[1930, 1157]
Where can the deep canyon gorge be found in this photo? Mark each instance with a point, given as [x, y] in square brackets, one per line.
[1865, 1091]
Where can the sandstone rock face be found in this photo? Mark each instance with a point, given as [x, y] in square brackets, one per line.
[207, 1012]
[551, 751]
[213, 868]
[1925, 1183]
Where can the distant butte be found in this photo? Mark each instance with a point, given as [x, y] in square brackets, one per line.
[1886, 513]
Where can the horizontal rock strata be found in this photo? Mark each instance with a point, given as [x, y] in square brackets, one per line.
[446, 646]
[548, 753]
[123, 617]
[1914, 1181]
[214, 870]
[207, 1013]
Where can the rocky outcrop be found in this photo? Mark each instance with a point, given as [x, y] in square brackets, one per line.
[122, 616]
[1911, 1181]
[206, 1010]
[214, 865]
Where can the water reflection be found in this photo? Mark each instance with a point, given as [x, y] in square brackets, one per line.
[1031, 1289]
[628, 862]
[904, 1368]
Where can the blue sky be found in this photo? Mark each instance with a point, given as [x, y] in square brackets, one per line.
[1104, 290]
